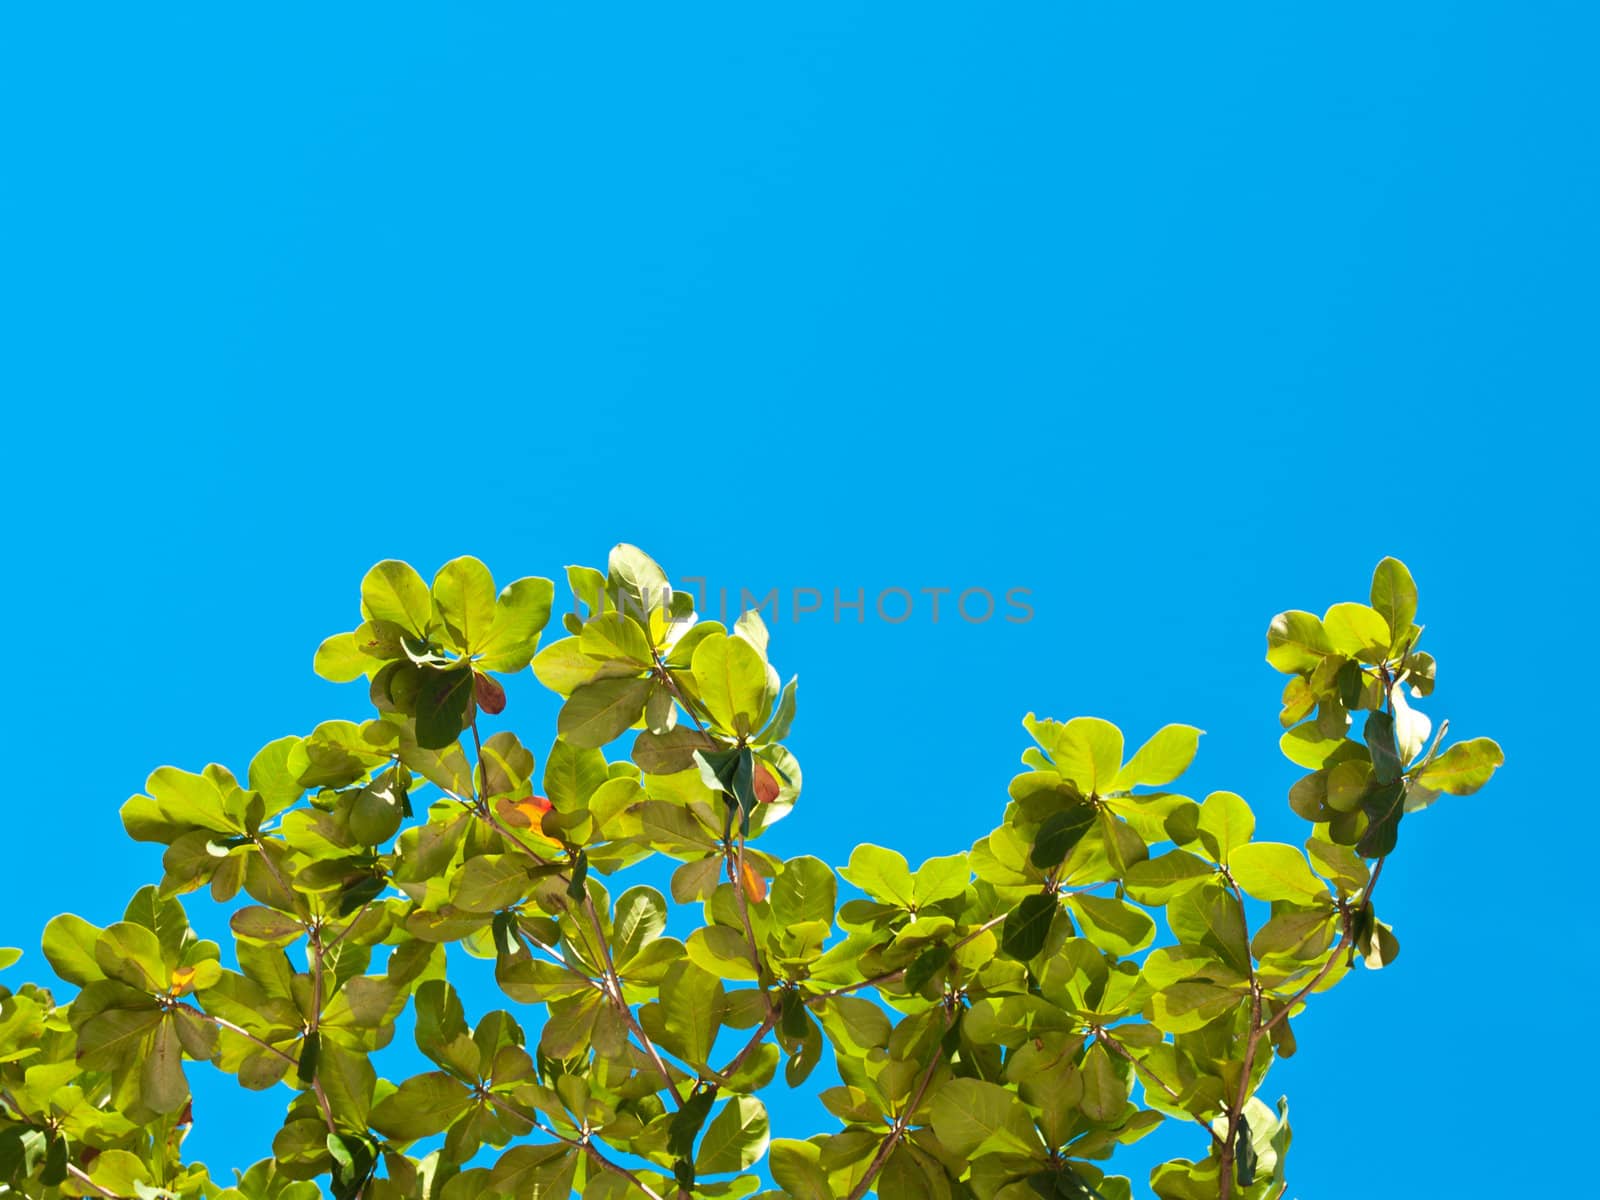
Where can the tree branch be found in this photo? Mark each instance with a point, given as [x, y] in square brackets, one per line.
[898, 1129]
[1144, 1072]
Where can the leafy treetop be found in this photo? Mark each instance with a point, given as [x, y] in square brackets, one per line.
[1002, 1019]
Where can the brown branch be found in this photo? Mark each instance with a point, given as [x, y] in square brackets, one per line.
[898, 1129]
[78, 1173]
[584, 1143]
[1144, 1071]
[1342, 946]
[891, 976]
[315, 1023]
[1235, 1110]
[224, 1023]
[767, 1023]
[613, 986]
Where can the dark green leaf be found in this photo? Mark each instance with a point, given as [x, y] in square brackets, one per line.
[1384, 806]
[1059, 833]
[687, 1123]
[444, 698]
[306, 1066]
[1023, 934]
[1381, 744]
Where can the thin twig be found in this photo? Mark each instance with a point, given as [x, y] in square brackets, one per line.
[585, 1143]
[891, 976]
[898, 1129]
[78, 1173]
[1339, 949]
[1144, 1072]
[224, 1023]
[620, 1003]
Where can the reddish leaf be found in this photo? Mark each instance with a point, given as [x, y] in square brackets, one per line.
[766, 784]
[755, 887]
[490, 695]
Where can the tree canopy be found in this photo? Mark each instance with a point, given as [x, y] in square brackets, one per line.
[1113, 955]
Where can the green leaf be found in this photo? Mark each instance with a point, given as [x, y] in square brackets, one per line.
[737, 1137]
[690, 1011]
[117, 1036]
[1337, 863]
[520, 613]
[796, 1167]
[1086, 751]
[132, 954]
[188, 799]
[1162, 759]
[269, 774]
[599, 712]
[687, 1123]
[1384, 806]
[1394, 596]
[1297, 642]
[1158, 880]
[463, 600]
[393, 591]
[1112, 924]
[969, 1113]
[641, 917]
[305, 1069]
[882, 874]
[353, 1162]
[1380, 738]
[731, 677]
[1274, 871]
[1307, 746]
[562, 666]
[926, 965]
[1026, 927]
[533, 1173]
[1226, 823]
[1210, 916]
[939, 879]
[637, 580]
[1105, 1092]
[1357, 632]
[444, 701]
[615, 637]
[339, 659]
[1059, 834]
[1464, 768]
[424, 1105]
[8, 955]
[804, 891]
[68, 944]
[162, 1086]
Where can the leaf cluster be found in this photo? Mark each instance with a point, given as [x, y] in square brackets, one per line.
[1112, 955]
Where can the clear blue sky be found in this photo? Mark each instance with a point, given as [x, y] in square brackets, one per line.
[1176, 316]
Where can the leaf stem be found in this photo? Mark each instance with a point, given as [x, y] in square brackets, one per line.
[613, 986]
[891, 976]
[586, 1144]
[315, 1023]
[224, 1023]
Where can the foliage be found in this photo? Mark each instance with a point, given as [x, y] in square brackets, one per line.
[990, 1013]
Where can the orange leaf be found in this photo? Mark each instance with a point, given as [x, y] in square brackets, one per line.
[755, 887]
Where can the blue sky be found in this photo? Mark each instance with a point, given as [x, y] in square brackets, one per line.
[1174, 317]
